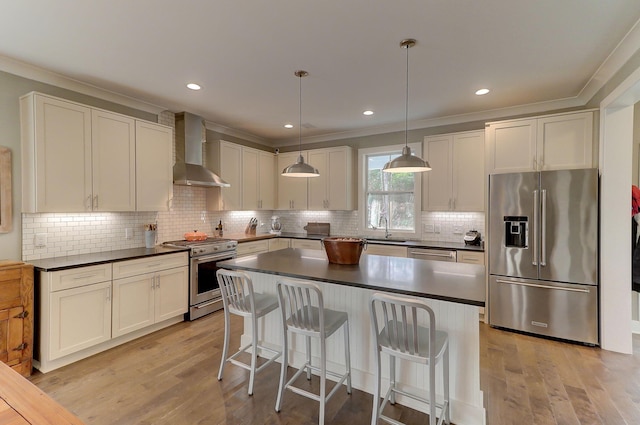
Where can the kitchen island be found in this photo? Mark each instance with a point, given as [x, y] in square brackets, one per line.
[455, 291]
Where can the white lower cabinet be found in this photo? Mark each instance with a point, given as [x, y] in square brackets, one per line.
[471, 257]
[80, 318]
[75, 310]
[83, 310]
[388, 250]
[148, 291]
[306, 244]
[277, 244]
[134, 308]
[252, 248]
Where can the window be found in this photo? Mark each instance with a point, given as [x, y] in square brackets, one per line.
[394, 197]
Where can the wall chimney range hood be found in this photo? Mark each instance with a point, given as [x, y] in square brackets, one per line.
[188, 170]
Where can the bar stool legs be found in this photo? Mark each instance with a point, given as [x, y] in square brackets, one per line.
[395, 328]
[238, 298]
[310, 319]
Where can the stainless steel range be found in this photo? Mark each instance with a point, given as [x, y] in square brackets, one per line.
[204, 291]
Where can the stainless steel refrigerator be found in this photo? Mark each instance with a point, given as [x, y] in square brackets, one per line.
[543, 253]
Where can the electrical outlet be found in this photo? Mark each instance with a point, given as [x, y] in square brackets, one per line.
[429, 228]
[128, 233]
[457, 230]
[436, 228]
[40, 240]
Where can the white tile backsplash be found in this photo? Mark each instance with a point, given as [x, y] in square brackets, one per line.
[445, 223]
[82, 233]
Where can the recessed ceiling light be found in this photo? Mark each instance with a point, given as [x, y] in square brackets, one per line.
[367, 113]
[482, 91]
[193, 86]
[288, 126]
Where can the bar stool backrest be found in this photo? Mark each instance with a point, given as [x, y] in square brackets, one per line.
[237, 292]
[303, 303]
[396, 329]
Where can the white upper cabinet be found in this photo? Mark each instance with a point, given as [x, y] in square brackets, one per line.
[56, 155]
[81, 159]
[565, 141]
[333, 189]
[292, 191]
[456, 181]
[113, 161]
[225, 159]
[267, 180]
[554, 142]
[231, 172]
[250, 172]
[258, 179]
[154, 167]
[436, 184]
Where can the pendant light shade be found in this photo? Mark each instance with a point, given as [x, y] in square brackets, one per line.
[406, 163]
[299, 168]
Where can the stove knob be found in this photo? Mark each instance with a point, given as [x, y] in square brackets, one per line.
[215, 248]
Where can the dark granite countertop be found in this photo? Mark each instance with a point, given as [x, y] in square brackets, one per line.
[454, 282]
[82, 260]
[404, 242]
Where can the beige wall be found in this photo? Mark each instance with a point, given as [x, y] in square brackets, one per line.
[11, 88]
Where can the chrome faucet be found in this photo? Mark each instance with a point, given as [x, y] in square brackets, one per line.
[386, 226]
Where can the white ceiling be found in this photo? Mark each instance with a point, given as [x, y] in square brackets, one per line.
[542, 53]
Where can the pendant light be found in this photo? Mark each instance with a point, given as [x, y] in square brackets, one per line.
[300, 169]
[406, 163]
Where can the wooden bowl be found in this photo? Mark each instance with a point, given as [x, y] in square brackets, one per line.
[343, 250]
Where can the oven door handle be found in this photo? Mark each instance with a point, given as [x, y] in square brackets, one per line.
[213, 258]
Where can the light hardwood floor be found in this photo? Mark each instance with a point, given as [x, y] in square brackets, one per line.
[169, 377]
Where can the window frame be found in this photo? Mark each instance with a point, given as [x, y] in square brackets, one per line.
[363, 154]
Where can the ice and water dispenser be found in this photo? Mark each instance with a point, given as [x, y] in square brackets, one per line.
[516, 231]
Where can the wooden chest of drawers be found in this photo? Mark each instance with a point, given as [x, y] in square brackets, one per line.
[16, 315]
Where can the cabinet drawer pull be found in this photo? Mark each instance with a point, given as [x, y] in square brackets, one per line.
[20, 347]
[21, 315]
[153, 265]
[84, 276]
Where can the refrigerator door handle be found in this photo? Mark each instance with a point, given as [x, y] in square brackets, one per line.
[536, 285]
[535, 228]
[543, 230]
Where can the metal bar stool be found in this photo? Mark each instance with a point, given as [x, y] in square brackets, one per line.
[394, 323]
[238, 298]
[304, 305]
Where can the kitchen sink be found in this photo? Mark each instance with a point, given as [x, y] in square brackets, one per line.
[389, 241]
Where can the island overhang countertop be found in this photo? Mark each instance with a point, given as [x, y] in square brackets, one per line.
[455, 282]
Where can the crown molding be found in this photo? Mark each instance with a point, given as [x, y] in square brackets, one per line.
[487, 115]
[627, 47]
[228, 131]
[42, 75]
